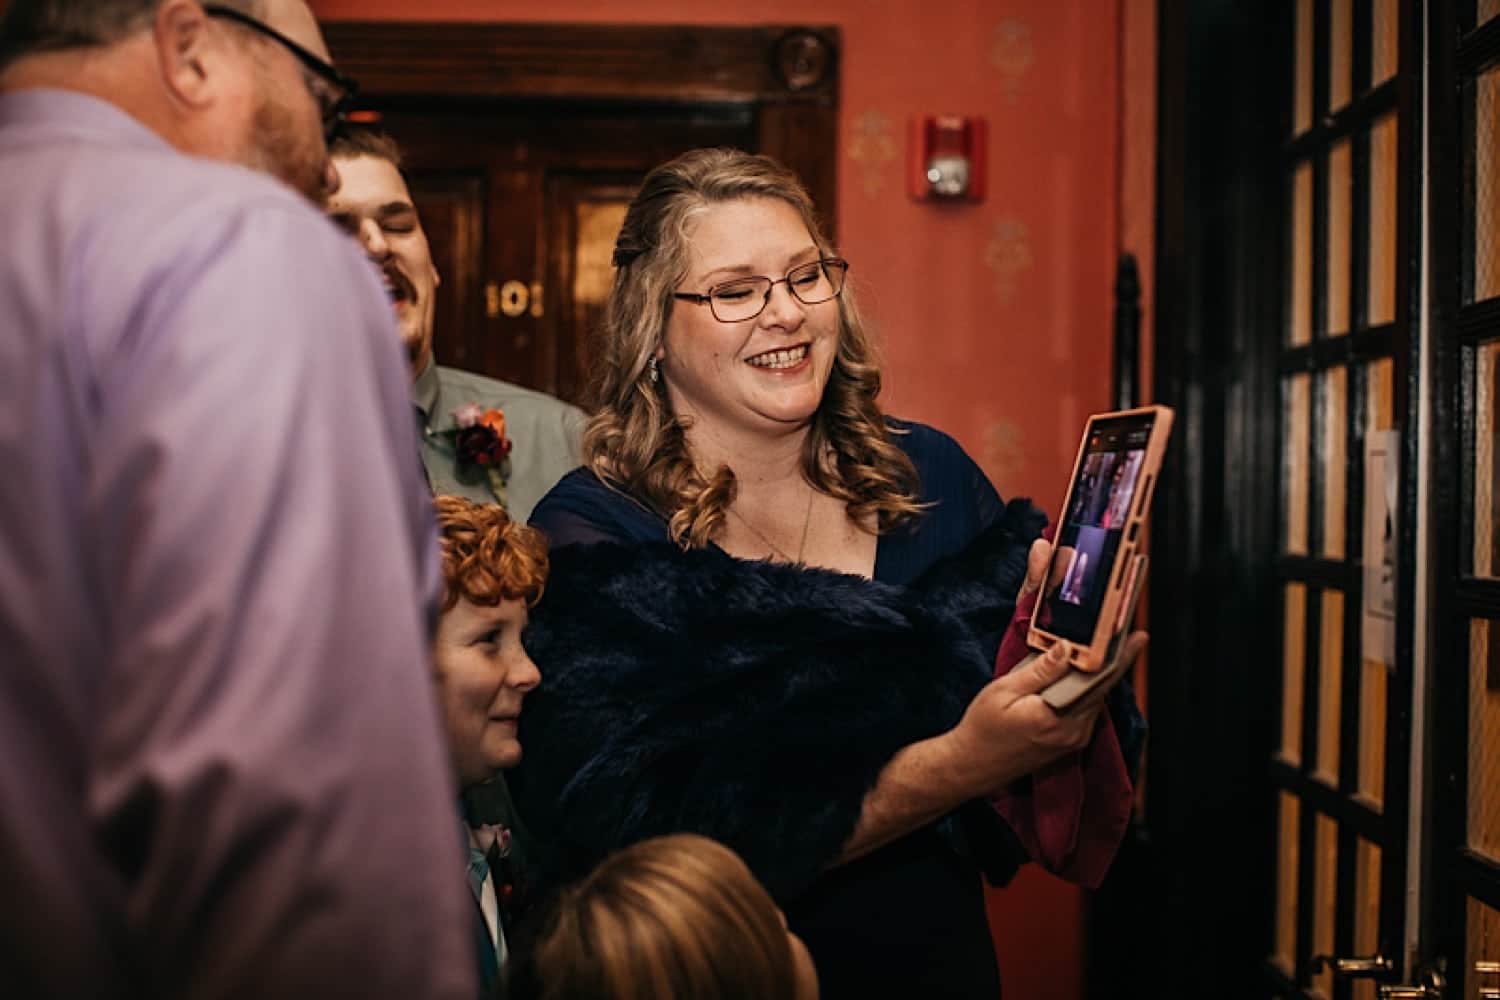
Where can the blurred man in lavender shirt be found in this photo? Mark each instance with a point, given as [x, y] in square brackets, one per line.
[221, 768]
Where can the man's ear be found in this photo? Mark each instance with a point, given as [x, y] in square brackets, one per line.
[186, 51]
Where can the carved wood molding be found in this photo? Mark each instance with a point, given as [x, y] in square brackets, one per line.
[677, 63]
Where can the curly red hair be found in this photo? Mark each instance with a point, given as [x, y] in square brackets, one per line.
[487, 557]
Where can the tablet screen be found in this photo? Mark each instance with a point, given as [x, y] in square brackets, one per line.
[1101, 499]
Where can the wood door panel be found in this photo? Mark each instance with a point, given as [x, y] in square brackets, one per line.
[562, 135]
[452, 209]
[515, 343]
[584, 212]
[794, 131]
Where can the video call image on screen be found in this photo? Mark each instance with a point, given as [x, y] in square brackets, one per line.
[1090, 535]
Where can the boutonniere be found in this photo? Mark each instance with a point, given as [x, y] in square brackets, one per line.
[492, 835]
[481, 451]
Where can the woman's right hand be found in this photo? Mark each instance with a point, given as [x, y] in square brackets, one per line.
[1008, 730]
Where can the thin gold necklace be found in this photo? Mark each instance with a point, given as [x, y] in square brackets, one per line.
[801, 547]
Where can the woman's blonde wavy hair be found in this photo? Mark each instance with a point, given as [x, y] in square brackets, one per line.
[677, 917]
[637, 444]
[487, 557]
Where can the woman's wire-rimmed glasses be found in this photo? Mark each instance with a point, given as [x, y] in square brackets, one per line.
[746, 298]
[333, 91]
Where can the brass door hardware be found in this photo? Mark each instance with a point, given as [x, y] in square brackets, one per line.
[1430, 988]
[513, 298]
[1370, 967]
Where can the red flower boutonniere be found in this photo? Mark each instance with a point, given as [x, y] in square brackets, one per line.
[491, 835]
[481, 450]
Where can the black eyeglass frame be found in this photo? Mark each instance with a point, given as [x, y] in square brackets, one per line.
[822, 262]
[333, 117]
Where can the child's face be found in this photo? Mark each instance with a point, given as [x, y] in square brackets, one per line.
[483, 675]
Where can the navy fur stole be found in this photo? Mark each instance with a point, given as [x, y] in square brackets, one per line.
[752, 702]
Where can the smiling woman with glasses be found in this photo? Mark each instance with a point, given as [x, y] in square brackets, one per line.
[333, 91]
[770, 603]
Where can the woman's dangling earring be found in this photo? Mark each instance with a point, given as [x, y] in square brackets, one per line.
[655, 373]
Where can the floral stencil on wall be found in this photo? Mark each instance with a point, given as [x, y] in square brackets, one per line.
[872, 147]
[1003, 454]
[1008, 256]
[1012, 52]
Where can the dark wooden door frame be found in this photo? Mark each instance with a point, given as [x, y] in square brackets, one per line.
[1459, 329]
[1202, 883]
[788, 75]
[1187, 910]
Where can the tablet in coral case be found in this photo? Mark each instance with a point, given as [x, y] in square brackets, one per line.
[1099, 532]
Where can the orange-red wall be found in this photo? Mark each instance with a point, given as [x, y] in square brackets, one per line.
[995, 317]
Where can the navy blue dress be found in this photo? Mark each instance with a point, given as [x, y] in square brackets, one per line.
[909, 919]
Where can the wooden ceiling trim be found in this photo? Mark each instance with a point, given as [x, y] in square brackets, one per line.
[672, 63]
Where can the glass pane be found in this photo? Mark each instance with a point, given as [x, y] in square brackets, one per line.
[1335, 464]
[1484, 946]
[1302, 93]
[1325, 897]
[1484, 740]
[1381, 398]
[1340, 53]
[1330, 686]
[1372, 694]
[1295, 464]
[1366, 909]
[1339, 194]
[1288, 839]
[1293, 657]
[1381, 298]
[1486, 426]
[1486, 265]
[598, 225]
[1385, 35]
[1299, 330]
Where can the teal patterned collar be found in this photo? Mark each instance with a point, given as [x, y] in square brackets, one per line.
[425, 391]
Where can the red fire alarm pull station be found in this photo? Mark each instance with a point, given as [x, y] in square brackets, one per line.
[947, 159]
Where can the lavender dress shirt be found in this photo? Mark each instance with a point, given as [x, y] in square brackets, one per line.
[221, 766]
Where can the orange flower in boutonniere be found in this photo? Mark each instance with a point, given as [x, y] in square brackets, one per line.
[481, 450]
[495, 421]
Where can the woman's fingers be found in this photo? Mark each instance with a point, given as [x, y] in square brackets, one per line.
[1036, 566]
[1014, 731]
[1037, 673]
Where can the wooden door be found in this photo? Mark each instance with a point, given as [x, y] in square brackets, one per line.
[1287, 336]
[523, 144]
[1461, 925]
[1384, 259]
[1340, 764]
